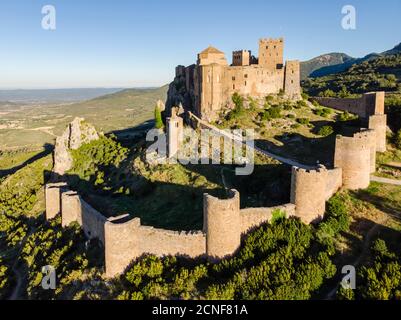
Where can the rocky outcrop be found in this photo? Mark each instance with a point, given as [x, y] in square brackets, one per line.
[180, 91]
[77, 133]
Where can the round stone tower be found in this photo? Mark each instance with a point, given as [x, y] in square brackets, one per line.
[353, 155]
[222, 225]
[308, 193]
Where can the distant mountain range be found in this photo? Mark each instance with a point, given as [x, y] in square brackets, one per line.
[336, 62]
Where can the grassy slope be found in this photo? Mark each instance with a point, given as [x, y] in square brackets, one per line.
[285, 135]
[37, 125]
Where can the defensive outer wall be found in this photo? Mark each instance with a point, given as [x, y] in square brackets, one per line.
[225, 223]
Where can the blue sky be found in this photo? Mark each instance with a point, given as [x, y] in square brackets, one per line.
[129, 43]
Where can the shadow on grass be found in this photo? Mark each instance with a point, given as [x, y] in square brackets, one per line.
[307, 150]
[47, 149]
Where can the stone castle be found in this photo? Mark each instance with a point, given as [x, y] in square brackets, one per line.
[225, 223]
[206, 88]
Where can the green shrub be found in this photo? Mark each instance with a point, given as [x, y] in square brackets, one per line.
[273, 112]
[397, 139]
[158, 118]
[346, 116]
[327, 93]
[304, 95]
[315, 103]
[238, 110]
[4, 279]
[323, 112]
[295, 125]
[336, 220]
[288, 106]
[303, 121]
[301, 104]
[269, 98]
[238, 100]
[278, 215]
[325, 131]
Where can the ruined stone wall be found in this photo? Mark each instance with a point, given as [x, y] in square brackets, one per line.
[121, 239]
[378, 122]
[127, 239]
[374, 102]
[353, 155]
[308, 193]
[53, 199]
[254, 217]
[70, 208]
[166, 242]
[222, 224]
[92, 221]
[371, 103]
[344, 104]
[75, 209]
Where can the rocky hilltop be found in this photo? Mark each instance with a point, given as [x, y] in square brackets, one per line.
[77, 133]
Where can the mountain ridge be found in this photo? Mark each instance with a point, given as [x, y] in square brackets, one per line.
[335, 62]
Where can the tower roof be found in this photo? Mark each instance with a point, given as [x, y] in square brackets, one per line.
[211, 49]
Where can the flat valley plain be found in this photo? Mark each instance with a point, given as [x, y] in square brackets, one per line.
[32, 126]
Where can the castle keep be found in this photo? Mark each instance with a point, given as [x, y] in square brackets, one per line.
[206, 88]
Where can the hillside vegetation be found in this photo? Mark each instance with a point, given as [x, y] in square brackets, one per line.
[380, 74]
[23, 126]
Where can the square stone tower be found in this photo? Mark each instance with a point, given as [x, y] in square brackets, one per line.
[271, 53]
[242, 58]
[292, 80]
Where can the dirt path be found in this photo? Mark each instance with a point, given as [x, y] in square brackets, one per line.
[385, 180]
[288, 161]
[17, 289]
[16, 293]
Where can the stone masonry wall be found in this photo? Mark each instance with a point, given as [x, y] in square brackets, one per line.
[70, 207]
[308, 193]
[53, 199]
[127, 240]
[378, 122]
[369, 104]
[222, 224]
[121, 248]
[254, 217]
[75, 209]
[334, 182]
[292, 79]
[353, 155]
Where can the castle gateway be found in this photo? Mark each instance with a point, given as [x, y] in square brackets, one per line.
[207, 87]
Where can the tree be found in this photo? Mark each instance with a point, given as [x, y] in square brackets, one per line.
[158, 118]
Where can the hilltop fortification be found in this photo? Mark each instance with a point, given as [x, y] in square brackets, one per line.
[206, 88]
